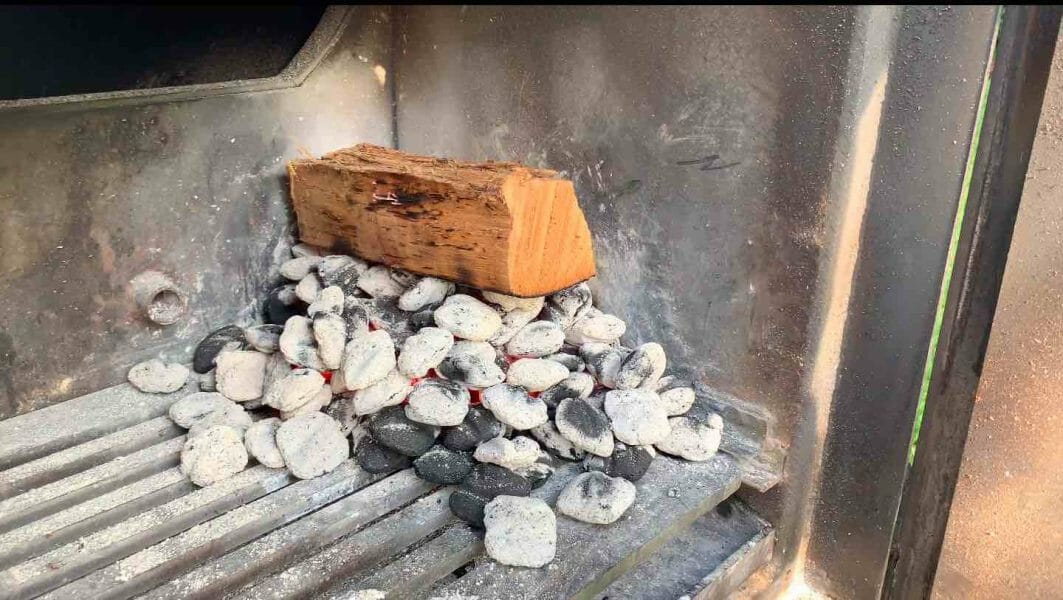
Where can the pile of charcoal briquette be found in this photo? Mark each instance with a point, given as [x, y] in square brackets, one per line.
[482, 391]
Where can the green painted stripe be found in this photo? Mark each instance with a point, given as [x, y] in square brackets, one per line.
[957, 226]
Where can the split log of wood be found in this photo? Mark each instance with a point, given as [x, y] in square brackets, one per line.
[494, 225]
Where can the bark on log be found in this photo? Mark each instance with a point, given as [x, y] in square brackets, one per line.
[494, 225]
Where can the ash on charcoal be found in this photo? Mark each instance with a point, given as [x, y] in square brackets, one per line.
[484, 483]
[207, 383]
[368, 359]
[468, 318]
[342, 272]
[264, 338]
[521, 532]
[427, 292]
[392, 429]
[384, 313]
[595, 326]
[424, 350]
[215, 454]
[677, 395]
[378, 282]
[405, 278]
[156, 377]
[366, 595]
[319, 400]
[512, 322]
[389, 391]
[514, 454]
[298, 346]
[571, 303]
[576, 385]
[637, 416]
[572, 362]
[513, 406]
[642, 368]
[229, 337]
[535, 374]
[194, 407]
[208, 407]
[595, 497]
[330, 333]
[232, 415]
[300, 250]
[355, 316]
[282, 304]
[585, 426]
[508, 303]
[603, 361]
[692, 439]
[536, 339]
[538, 472]
[294, 269]
[297, 388]
[629, 462]
[342, 410]
[479, 425]
[438, 402]
[552, 440]
[239, 374]
[329, 301]
[375, 458]
[472, 364]
[443, 466]
[311, 444]
[308, 288]
[424, 318]
[260, 440]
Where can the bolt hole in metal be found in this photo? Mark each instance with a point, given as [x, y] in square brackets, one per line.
[159, 298]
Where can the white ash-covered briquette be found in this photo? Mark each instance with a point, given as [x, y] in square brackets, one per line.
[330, 333]
[379, 282]
[319, 400]
[294, 390]
[424, 350]
[693, 439]
[260, 440]
[312, 444]
[514, 454]
[535, 340]
[438, 402]
[239, 374]
[512, 322]
[521, 532]
[215, 454]
[535, 374]
[677, 395]
[468, 318]
[513, 406]
[208, 409]
[264, 338]
[298, 346]
[295, 269]
[509, 303]
[389, 391]
[308, 288]
[156, 377]
[473, 364]
[642, 368]
[428, 292]
[595, 326]
[603, 361]
[637, 416]
[330, 300]
[595, 497]
[341, 271]
[368, 359]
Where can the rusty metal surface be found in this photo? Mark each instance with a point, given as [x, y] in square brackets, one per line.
[1004, 535]
[94, 195]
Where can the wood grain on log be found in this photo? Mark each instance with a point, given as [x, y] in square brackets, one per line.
[494, 225]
